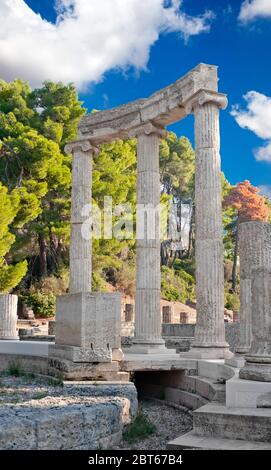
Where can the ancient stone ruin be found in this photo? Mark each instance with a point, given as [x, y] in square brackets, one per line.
[228, 406]
[146, 120]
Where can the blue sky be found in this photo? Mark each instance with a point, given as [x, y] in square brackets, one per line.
[242, 52]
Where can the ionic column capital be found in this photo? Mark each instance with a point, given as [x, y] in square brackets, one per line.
[81, 145]
[203, 97]
[148, 128]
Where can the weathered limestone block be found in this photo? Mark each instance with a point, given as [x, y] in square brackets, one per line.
[258, 359]
[16, 432]
[88, 326]
[85, 422]
[167, 313]
[8, 317]
[255, 252]
[104, 389]
[67, 369]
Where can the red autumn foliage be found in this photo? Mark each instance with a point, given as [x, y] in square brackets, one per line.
[248, 203]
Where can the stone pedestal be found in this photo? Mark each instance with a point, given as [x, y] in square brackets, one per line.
[88, 326]
[8, 317]
[148, 338]
[258, 359]
[87, 333]
[209, 340]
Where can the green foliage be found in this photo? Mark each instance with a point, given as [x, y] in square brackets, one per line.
[232, 300]
[98, 283]
[114, 174]
[14, 369]
[10, 275]
[34, 128]
[139, 429]
[42, 304]
[177, 165]
[186, 265]
[177, 285]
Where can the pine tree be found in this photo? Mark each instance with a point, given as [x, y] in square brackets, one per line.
[34, 128]
[10, 275]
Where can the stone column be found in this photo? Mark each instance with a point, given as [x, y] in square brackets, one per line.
[210, 331]
[254, 252]
[8, 317]
[148, 334]
[258, 359]
[88, 325]
[80, 248]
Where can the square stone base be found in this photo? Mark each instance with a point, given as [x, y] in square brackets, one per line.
[235, 361]
[242, 393]
[150, 348]
[207, 353]
[76, 354]
[65, 369]
[87, 326]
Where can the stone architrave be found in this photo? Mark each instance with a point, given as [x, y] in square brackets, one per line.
[8, 317]
[148, 327]
[258, 359]
[254, 252]
[81, 246]
[210, 330]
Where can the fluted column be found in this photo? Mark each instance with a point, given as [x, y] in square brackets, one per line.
[80, 247]
[210, 331]
[148, 337]
[254, 252]
[8, 317]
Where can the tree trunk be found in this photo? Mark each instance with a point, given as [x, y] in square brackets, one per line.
[42, 256]
[191, 233]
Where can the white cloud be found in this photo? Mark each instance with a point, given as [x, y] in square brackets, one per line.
[251, 9]
[256, 118]
[265, 190]
[89, 37]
